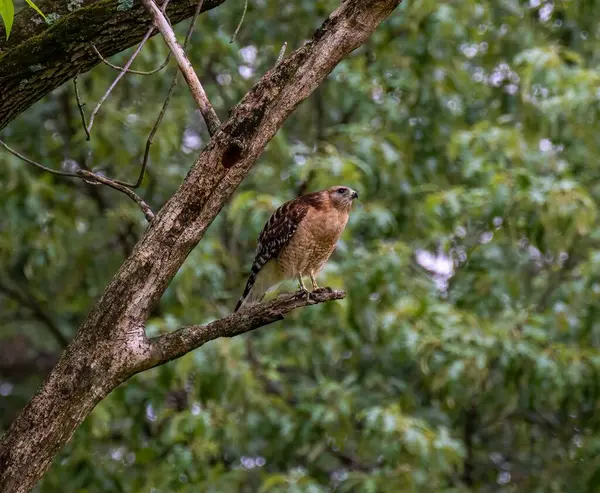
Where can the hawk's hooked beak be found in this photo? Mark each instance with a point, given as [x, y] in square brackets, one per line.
[354, 194]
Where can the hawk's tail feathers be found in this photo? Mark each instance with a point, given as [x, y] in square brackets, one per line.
[251, 279]
[259, 282]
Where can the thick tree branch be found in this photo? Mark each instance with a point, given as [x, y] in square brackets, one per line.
[170, 346]
[39, 57]
[208, 113]
[111, 344]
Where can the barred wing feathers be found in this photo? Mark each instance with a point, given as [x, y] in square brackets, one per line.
[278, 231]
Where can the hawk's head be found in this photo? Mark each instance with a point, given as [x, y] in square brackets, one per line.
[341, 197]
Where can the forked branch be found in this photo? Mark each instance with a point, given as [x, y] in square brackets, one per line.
[208, 113]
[124, 70]
[163, 110]
[88, 175]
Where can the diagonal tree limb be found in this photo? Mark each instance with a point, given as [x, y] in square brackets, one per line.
[39, 57]
[111, 344]
[161, 23]
[170, 346]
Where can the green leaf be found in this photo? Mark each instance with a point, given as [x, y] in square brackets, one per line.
[273, 481]
[35, 7]
[7, 12]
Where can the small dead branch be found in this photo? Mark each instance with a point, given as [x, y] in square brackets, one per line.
[208, 113]
[89, 177]
[37, 165]
[239, 26]
[80, 105]
[131, 71]
[118, 78]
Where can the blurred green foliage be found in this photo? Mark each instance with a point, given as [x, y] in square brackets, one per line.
[466, 355]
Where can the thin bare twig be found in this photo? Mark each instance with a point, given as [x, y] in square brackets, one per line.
[131, 71]
[163, 110]
[80, 105]
[38, 165]
[192, 24]
[118, 78]
[239, 26]
[281, 54]
[89, 177]
[210, 116]
[150, 139]
[125, 68]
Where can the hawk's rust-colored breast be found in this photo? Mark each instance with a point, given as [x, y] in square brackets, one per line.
[313, 242]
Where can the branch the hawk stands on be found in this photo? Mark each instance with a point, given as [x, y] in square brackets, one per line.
[111, 345]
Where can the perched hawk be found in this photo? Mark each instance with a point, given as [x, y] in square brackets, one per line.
[297, 240]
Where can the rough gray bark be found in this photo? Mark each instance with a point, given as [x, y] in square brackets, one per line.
[39, 57]
[111, 345]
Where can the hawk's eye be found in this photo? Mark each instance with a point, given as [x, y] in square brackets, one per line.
[341, 190]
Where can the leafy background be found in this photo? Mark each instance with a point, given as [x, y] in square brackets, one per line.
[466, 355]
